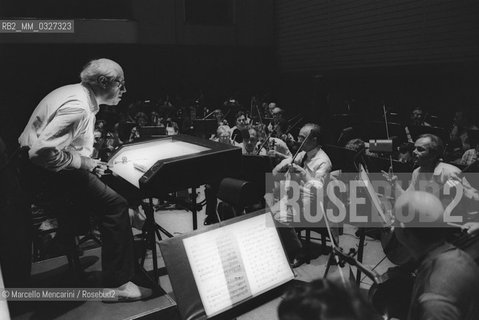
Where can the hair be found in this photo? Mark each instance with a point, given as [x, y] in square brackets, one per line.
[417, 108]
[239, 114]
[97, 68]
[222, 129]
[436, 147]
[355, 144]
[277, 110]
[315, 131]
[324, 299]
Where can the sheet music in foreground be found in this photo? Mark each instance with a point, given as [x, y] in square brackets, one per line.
[236, 262]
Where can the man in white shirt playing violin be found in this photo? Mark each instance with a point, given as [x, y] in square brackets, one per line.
[312, 166]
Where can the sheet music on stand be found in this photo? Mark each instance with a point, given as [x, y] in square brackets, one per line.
[228, 265]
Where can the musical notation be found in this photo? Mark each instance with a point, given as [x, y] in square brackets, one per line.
[236, 262]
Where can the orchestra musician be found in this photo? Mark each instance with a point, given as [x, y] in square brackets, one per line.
[447, 279]
[59, 137]
[240, 124]
[273, 147]
[312, 165]
[432, 174]
[277, 114]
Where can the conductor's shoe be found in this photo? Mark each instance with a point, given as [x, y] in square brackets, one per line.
[210, 219]
[129, 292]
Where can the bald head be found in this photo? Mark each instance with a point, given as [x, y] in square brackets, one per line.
[421, 216]
[100, 67]
[420, 206]
[105, 77]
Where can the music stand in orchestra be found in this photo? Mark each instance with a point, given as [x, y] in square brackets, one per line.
[377, 130]
[158, 167]
[373, 197]
[416, 131]
[152, 132]
[204, 128]
[341, 158]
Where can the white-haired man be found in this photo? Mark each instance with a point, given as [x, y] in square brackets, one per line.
[447, 279]
[59, 137]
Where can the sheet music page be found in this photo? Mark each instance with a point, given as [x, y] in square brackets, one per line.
[263, 256]
[218, 271]
[236, 262]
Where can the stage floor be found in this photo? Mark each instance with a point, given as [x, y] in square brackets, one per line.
[55, 273]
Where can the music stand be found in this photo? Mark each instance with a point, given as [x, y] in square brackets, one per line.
[204, 128]
[377, 130]
[416, 131]
[152, 132]
[244, 253]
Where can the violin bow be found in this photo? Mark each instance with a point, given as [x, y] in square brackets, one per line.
[387, 135]
[294, 125]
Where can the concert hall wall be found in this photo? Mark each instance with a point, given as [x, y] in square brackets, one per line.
[363, 53]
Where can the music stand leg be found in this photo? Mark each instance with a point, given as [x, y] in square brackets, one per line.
[151, 231]
[194, 212]
[329, 263]
[362, 238]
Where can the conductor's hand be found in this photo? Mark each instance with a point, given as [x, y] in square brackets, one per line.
[101, 169]
[89, 163]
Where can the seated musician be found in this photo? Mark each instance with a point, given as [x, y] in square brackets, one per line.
[277, 114]
[283, 134]
[274, 147]
[223, 134]
[60, 137]
[447, 279]
[324, 299]
[240, 123]
[312, 165]
[220, 118]
[433, 174]
[416, 119]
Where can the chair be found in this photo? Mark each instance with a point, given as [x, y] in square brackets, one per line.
[72, 230]
[72, 224]
[237, 194]
[322, 231]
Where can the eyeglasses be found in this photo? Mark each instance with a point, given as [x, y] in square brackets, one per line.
[121, 83]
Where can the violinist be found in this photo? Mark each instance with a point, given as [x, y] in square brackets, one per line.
[447, 279]
[277, 114]
[273, 147]
[282, 132]
[220, 117]
[251, 144]
[313, 165]
[312, 162]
